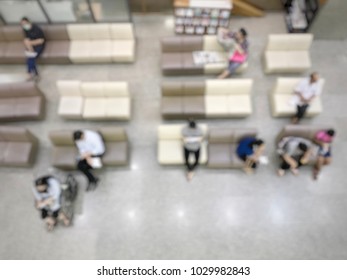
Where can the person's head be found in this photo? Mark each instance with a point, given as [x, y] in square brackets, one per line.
[331, 132]
[303, 147]
[192, 123]
[26, 23]
[241, 34]
[257, 143]
[314, 77]
[41, 184]
[78, 135]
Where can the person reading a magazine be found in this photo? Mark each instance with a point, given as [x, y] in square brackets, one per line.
[192, 139]
[236, 44]
[91, 148]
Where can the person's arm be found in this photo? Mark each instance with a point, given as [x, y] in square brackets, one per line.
[239, 49]
[292, 162]
[306, 156]
[37, 42]
[258, 152]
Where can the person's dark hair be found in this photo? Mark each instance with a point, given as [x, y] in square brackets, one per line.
[303, 147]
[313, 74]
[77, 135]
[257, 142]
[331, 132]
[243, 32]
[192, 124]
[25, 19]
[42, 181]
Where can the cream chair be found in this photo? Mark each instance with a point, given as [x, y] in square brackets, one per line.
[170, 145]
[94, 100]
[228, 98]
[287, 53]
[282, 95]
[101, 43]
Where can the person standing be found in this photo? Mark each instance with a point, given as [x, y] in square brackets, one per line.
[238, 50]
[192, 139]
[47, 194]
[305, 92]
[294, 152]
[91, 146]
[34, 43]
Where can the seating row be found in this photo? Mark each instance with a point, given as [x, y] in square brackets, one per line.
[21, 101]
[73, 43]
[206, 99]
[18, 146]
[177, 55]
[284, 53]
[219, 149]
[94, 100]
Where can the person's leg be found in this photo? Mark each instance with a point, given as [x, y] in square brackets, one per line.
[85, 168]
[186, 158]
[61, 217]
[284, 166]
[300, 112]
[197, 156]
[318, 166]
[231, 69]
[224, 74]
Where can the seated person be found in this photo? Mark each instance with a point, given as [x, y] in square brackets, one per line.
[34, 43]
[249, 150]
[238, 52]
[90, 145]
[294, 152]
[192, 139]
[305, 92]
[324, 139]
[47, 194]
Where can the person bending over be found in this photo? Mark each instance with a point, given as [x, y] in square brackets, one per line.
[239, 52]
[192, 139]
[324, 139]
[91, 147]
[47, 194]
[305, 92]
[249, 150]
[294, 152]
[34, 43]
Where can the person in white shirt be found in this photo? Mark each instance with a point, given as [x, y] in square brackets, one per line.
[305, 92]
[90, 145]
[47, 194]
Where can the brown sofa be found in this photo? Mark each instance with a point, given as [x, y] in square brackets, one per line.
[21, 101]
[222, 146]
[18, 147]
[304, 131]
[177, 57]
[65, 153]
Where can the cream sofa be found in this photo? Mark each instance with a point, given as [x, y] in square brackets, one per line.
[287, 53]
[170, 145]
[94, 100]
[206, 99]
[282, 94]
[104, 43]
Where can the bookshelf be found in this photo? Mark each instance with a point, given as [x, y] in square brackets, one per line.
[199, 17]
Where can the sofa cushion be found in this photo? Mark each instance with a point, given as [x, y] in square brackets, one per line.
[189, 67]
[13, 33]
[18, 153]
[194, 106]
[55, 32]
[78, 31]
[62, 138]
[289, 42]
[172, 106]
[7, 108]
[64, 157]
[92, 89]
[236, 161]
[239, 105]
[69, 88]
[56, 52]
[229, 87]
[172, 63]
[116, 154]
[15, 52]
[116, 89]
[287, 62]
[80, 51]
[3, 148]
[94, 108]
[171, 44]
[123, 51]
[121, 31]
[216, 106]
[191, 43]
[28, 107]
[118, 108]
[113, 134]
[219, 155]
[100, 31]
[100, 51]
[71, 106]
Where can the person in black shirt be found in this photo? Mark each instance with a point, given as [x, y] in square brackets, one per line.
[34, 43]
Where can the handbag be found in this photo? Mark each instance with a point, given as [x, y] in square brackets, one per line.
[238, 57]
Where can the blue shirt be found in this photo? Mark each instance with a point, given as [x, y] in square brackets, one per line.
[245, 148]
